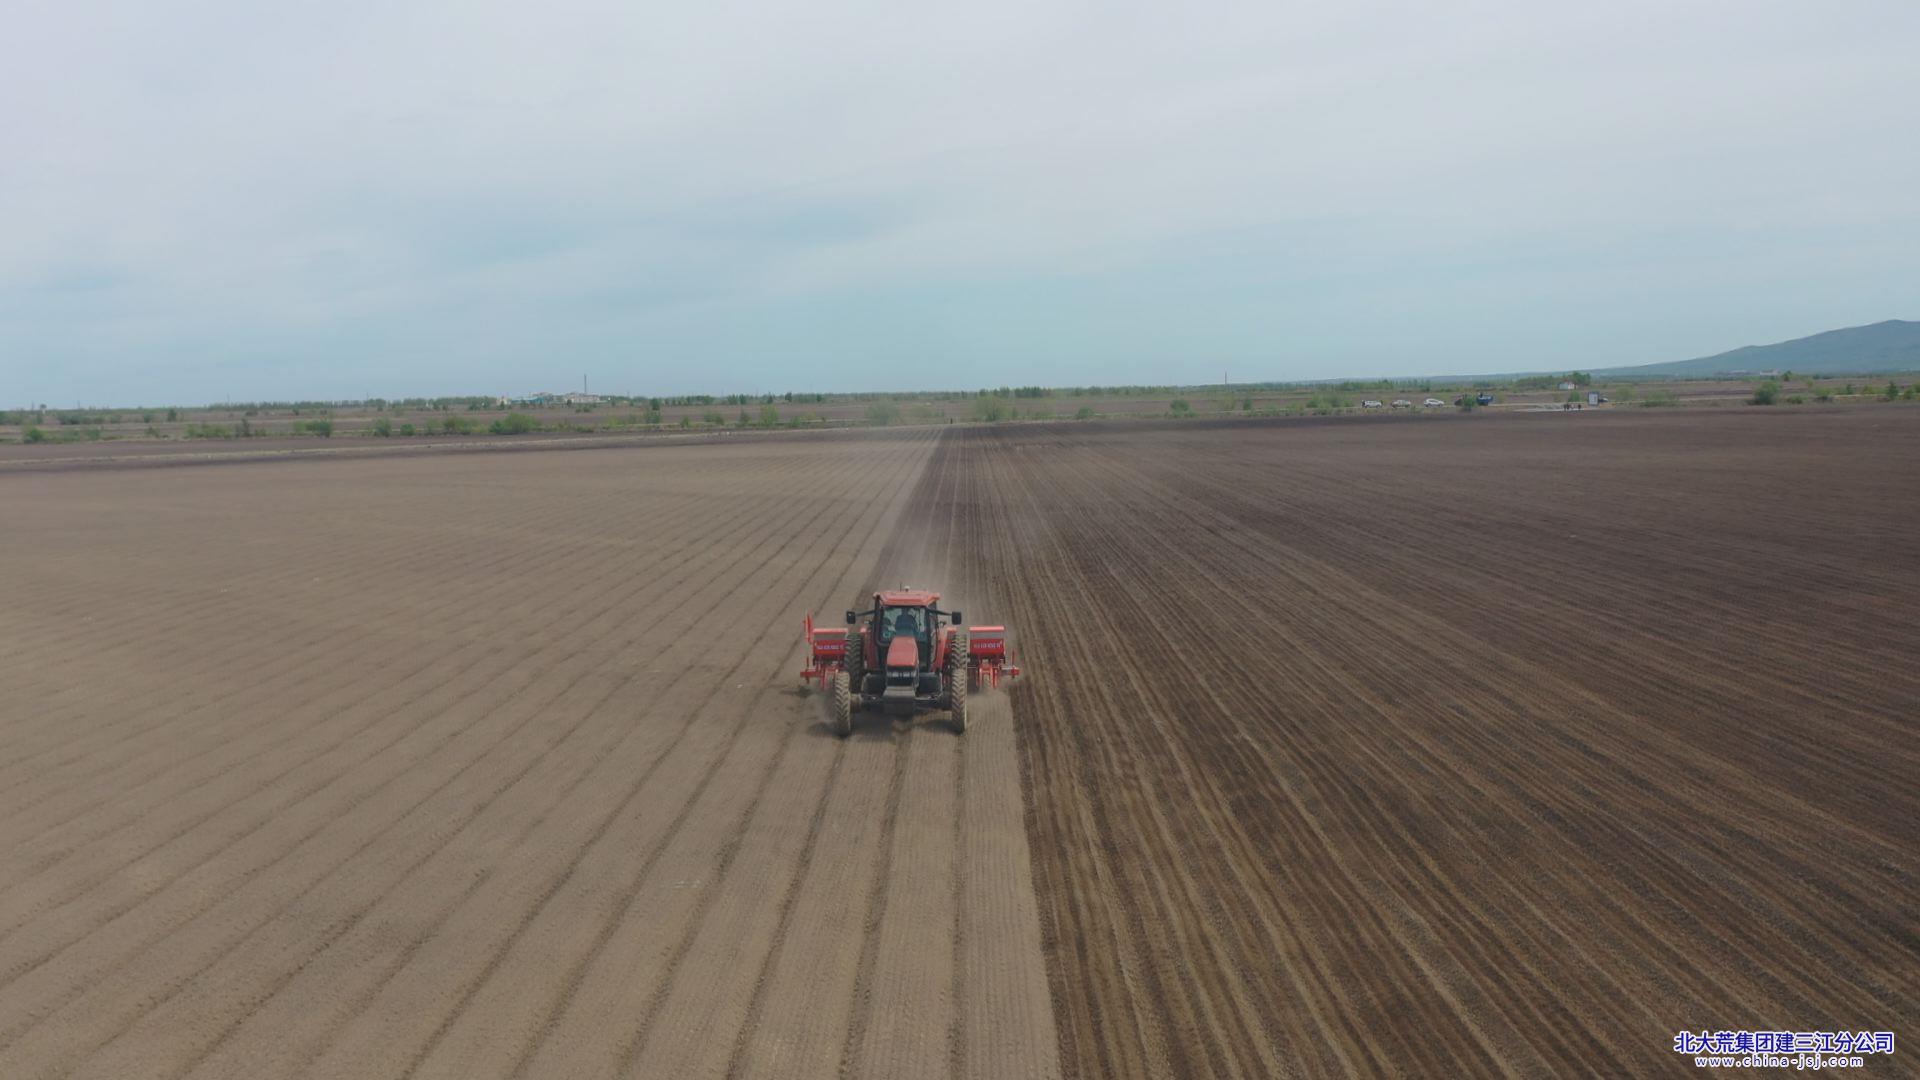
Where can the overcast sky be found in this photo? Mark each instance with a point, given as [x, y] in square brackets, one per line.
[209, 199]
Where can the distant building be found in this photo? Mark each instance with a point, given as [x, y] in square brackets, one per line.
[1566, 386]
[547, 398]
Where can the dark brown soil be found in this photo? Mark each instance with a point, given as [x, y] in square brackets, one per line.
[1511, 746]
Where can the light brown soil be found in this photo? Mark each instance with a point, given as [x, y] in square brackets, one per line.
[489, 765]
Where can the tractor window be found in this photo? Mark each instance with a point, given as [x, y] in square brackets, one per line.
[911, 621]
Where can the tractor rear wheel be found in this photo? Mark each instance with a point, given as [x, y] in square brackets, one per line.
[855, 659]
[957, 679]
[842, 722]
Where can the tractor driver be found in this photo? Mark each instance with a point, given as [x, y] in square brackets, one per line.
[905, 623]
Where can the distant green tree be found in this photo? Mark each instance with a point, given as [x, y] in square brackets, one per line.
[383, 427]
[769, 416]
[1765, 393]
[990, 409]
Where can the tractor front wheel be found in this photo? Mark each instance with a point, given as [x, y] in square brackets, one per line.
[957, 679]
[842, 722]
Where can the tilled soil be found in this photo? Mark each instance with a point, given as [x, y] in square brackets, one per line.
[1412, 745]
[1504, 746]
[485, 765]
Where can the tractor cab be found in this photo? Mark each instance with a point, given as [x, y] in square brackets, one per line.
[903, 642]
[899, 638]
[904, 621]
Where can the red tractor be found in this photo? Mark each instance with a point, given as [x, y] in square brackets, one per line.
[907, 650]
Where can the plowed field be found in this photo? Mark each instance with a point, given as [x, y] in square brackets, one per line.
[1455, 746]
[1426, 745]
[464, 767]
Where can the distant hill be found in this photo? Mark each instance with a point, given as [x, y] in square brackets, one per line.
[1893, 345]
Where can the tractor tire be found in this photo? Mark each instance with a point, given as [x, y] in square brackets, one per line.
[957, 680]
[855, 660]
[841, 723]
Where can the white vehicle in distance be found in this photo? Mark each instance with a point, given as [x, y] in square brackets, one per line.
[1433, 403]
[1370, 403]
[1402, 403]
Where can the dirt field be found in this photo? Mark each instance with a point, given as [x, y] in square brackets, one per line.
[484, 765]
[1500, 744]
[1432, 748]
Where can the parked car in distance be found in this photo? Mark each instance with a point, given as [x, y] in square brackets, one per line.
[1433, 403]
[1370, 403]
[1402, 403]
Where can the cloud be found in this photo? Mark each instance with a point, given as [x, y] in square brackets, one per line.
[317, 199]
